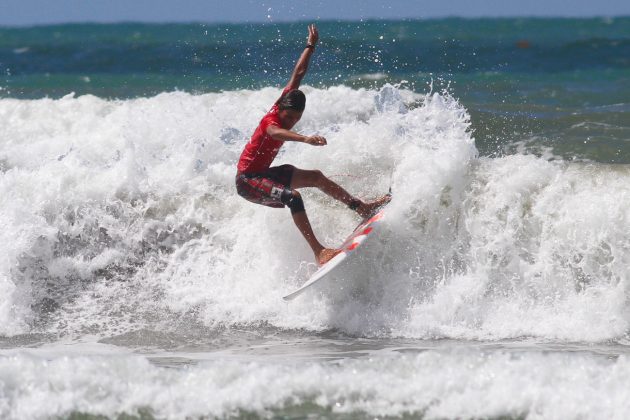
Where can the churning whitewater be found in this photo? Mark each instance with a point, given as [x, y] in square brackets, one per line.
[434, 384]
[121, 215]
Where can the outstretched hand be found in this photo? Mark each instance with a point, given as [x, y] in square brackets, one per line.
[316, 141]
[313, 35]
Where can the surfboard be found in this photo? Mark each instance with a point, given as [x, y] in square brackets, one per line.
[349, 247]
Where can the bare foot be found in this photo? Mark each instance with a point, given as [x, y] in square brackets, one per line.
[326, 255]
[366, 210]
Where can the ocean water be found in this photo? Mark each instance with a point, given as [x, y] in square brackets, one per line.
[135, 283]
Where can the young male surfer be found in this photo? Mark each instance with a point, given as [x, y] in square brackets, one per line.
[277, 186]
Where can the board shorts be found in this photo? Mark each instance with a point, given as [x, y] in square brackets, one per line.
[266, 187]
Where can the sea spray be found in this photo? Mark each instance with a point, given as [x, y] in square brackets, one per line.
[123, 216]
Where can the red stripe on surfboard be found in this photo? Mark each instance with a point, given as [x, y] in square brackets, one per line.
[353, 246]
[376, 217]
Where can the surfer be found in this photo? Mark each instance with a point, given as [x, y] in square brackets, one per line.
[277, 186]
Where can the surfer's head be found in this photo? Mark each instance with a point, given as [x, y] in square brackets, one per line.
[290, 108]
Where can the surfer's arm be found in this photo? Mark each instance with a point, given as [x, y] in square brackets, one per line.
[283, 134]
[302, 64]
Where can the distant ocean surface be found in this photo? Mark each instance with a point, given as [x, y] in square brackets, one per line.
[135, 283]
[545, 85]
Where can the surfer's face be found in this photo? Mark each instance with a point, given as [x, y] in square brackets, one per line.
[289, 117]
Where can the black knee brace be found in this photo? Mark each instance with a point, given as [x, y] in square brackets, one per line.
[292, 201]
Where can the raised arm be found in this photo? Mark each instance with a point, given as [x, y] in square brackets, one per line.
[302, 64]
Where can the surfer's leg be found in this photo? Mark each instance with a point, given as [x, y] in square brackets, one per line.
[322, 254]
[314, 178]
[304, 226]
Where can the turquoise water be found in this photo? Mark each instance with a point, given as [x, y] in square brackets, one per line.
[555, 86]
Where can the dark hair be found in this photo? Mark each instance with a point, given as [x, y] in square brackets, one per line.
[293, 99]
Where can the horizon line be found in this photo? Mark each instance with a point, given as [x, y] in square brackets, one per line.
[305, 20]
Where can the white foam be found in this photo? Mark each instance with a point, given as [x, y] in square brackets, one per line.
[545, 255]
[461, 383]
[123, 214]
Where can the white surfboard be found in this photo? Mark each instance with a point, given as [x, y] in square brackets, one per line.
[348, 248]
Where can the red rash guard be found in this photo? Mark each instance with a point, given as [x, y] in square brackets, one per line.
[262, 148]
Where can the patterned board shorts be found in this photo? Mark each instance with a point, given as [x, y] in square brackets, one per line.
[266, 187]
